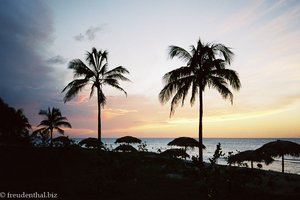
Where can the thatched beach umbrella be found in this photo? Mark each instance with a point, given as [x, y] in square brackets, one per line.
[125, 148]
[280, 148]
[185, 142]
[90, 143]
[250, 155]
[175, 153]
[128, 140]
[61, 140]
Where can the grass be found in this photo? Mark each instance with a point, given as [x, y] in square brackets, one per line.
[75, 173]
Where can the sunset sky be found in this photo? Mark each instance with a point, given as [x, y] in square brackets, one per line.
[39, 38]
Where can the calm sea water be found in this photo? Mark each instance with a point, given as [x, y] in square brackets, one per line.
[292, 164]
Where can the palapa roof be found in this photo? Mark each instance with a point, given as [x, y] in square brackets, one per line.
[125, 148]
[185, 142]
[128, 139]
[250, 155]
[63, 139]
[175, 153]
[280, 147]
[90, 142]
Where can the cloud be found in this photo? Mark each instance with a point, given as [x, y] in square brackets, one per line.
[79, 37]
[112, 113]
[26, 80]
[56, 60]
[89, 34]
[80, 99]
[80, 132]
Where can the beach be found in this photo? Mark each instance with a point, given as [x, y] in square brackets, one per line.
[292, 164]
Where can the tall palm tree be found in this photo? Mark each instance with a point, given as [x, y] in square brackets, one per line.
[97, 75]
[205, 66]
[53, 120]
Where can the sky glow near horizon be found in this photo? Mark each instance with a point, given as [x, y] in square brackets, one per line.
[46, 35]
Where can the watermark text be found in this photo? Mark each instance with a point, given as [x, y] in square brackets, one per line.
[28, 195]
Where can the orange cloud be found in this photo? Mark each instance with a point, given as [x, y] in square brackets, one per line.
[80, 99]
[110, 113]
[80, 132]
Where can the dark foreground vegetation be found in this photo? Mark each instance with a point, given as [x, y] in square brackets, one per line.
[76, 173]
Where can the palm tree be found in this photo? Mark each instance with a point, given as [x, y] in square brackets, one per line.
[205, 66]
[97, 75]
[53, 120]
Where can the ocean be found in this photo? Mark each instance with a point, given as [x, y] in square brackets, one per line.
[291, 164]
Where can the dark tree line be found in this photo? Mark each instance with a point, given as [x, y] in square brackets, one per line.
[14, 128]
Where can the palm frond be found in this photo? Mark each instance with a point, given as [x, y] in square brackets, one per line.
[117, 70]
[118, 77]
[36, 132]
[200, 45]
[104, 55]
[43, 112]
[96, 54]
[219, 64]
[166, 93]
[194, 93]
[221, 85]
[102, 98]
[74, 87]
[63, 124]
[103, 69]
[92, 89]
[114, 83]
[61, 131]
[59, 118]
[44, 122]
[230, 75]
[55, 112]
[179, 96]
[225, 52]
[80, 69]
[177, 74]
[168, 90]
[175, 51]
[91, 59]
[172, 87]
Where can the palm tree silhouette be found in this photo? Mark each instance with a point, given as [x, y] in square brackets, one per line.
[98, 75]
[53, 120]
[206, 66]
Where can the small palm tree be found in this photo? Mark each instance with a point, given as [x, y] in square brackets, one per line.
[53, 120]
[205, 66]
[97, 75]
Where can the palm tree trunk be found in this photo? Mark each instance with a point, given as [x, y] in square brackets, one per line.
[99, 117]
[51, 134]
[282, 163]
[200, 125]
